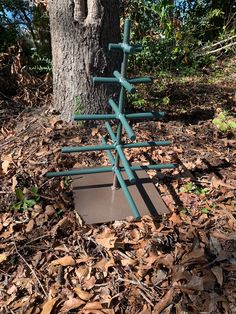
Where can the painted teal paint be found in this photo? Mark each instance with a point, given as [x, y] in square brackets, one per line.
[128, 116]
[125, 83]
[118, 161]
[94, 117]
[108, 80]
[154, 167]
[146, 144]
[126, 164]
[78, 149]
[127, 194]
[145, 115]
[110, 131]
[75, 172]
[123, 120]
[109, 154]
[125, 48]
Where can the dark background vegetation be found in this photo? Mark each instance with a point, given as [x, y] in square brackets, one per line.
[172, 33]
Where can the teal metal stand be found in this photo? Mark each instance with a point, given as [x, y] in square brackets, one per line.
[118, 162]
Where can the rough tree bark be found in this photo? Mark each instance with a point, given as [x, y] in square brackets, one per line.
[80, 33]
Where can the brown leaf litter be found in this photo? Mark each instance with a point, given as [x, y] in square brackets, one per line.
[50, 262]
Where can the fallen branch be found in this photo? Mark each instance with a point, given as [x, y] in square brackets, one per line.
[219, 43]
[216, 50]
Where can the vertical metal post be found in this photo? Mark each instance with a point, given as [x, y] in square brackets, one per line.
[122, 99]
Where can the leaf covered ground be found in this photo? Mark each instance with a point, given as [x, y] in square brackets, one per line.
[184, 262]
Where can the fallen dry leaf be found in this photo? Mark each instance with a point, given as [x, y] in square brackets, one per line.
[175, 219]
[89, 283]
[64, 261]
[71, 304]
[3, 257]
[218, 273]
[82, 272]
[197, 255]
[104, 264]
[83, 295]
[93, 306]
[94, 131]
[7, 160]
[29, 226]
[108, 243]
[14, 183]
[48, 306]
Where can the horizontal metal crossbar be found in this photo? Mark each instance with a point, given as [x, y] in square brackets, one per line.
[146, 144]
[106, 80]
[147, 115]
[126, 48]
[129, 116]
[114, 80]
[95, 117]
[154, 167]
[140, 80]
[75, 172]
[77, 149]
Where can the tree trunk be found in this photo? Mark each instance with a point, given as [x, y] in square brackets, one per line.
[80, 33]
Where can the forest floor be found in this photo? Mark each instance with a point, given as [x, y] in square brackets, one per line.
[184, 262]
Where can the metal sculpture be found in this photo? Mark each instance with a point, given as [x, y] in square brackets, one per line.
[118, 161]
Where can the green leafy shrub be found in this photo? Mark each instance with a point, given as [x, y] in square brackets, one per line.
[40, 65]
[191, 187]
[135, 101]
[25, 199]
[224, 122]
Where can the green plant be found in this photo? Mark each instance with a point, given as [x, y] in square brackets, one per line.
[25, 199]
[79, 109]
[41, 65]
[184, 210]
[165, 100]
[67, 182]
[205, 210]
[224, 122]
[191, 187]
[135, 101]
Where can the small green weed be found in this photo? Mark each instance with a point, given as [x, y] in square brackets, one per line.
[165, 100]
[67, 182]
[79, 109]
[205, 210]
[25, 200]
[224, 122]
[184, 210]
[136, 101]
[41, 65]
[191, 187]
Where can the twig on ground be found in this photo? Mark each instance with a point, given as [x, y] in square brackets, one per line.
[146, 298]
[30, 268]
